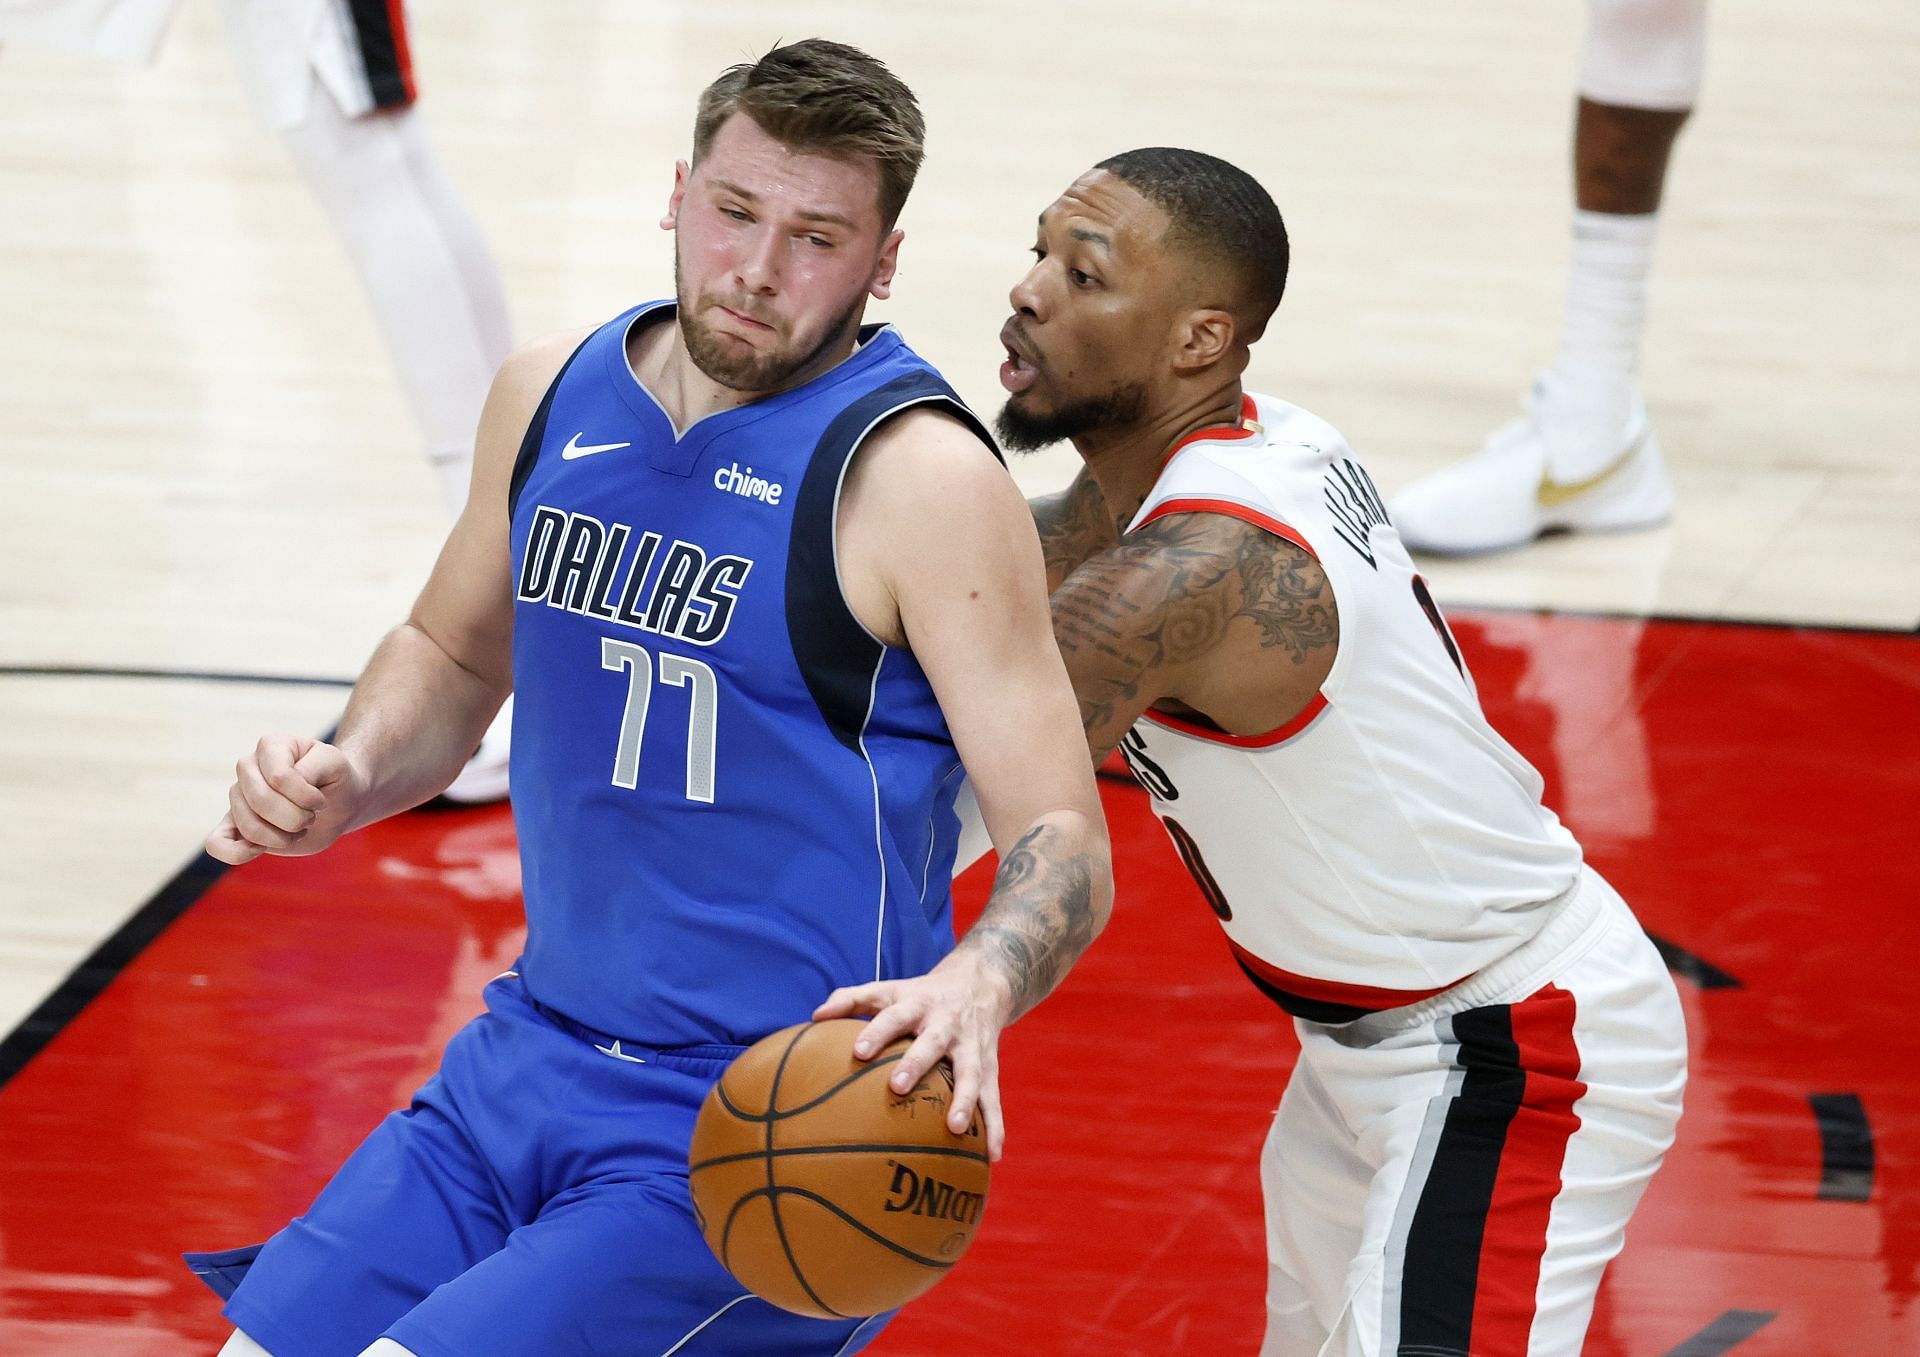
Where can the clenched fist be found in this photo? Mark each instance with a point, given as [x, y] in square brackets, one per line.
[292, 796]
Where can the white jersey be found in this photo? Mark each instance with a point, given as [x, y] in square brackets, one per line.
[1387, 843]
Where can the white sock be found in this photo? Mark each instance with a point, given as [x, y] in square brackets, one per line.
[1587, 392]
[433, 286]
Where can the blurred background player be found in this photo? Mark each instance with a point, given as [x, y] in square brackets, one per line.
[334, 80]
[1583, 455]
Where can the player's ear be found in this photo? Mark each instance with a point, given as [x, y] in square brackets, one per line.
[682, 171]
[881, 285]
[1202, 338]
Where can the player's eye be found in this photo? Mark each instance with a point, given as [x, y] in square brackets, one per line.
[735, 213]
[820, 242]
[1080, 279]
[1037, 253]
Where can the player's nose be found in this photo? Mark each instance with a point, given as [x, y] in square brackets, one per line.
[1026, 297]
[758, 268]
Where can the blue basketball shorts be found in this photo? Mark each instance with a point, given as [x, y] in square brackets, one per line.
[532, 1200]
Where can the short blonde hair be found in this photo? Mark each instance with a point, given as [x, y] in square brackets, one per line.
[828, 99]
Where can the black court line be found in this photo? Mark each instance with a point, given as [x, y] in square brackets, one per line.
[1846, 1147]
[184, 675]
[1733, 1327]
[111, 957]
[1690, 966]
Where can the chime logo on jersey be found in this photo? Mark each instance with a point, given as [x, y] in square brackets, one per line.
[747, 485]
[576, 562]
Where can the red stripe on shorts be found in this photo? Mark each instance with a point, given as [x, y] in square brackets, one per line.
[1529, 1175]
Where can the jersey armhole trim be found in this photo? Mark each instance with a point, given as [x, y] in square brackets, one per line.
[942, 401]
[1196, 504]
[532, 442]
[1277, 736]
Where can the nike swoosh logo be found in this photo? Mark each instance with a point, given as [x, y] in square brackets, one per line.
[1553, 494]
[575, 448]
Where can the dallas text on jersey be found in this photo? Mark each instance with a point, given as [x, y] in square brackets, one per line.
[575, 562]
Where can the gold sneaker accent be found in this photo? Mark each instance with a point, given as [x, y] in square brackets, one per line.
[1552, 494]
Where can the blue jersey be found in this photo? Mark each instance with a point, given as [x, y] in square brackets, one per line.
[730, 797]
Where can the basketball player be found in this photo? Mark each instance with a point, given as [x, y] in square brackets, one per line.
[1583, 455]
[696, 549]
[1491, 1053]
[335, 82]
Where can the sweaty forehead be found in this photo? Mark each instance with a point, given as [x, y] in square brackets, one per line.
[1109, 214]
[763, 168]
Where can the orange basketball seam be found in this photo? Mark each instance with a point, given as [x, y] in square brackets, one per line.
[773, 1205]
[774, 1193]
[773, 1189]
[890, 1147]
[772, 1113]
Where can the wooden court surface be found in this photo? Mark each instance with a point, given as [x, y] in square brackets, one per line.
[206, 470]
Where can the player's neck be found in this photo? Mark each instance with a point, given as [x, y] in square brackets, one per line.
[1126, 460]
[660, 362]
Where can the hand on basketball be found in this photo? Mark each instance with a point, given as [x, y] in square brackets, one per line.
[957, 1011]
[292, 796]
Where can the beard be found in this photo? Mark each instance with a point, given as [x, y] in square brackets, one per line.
[1023, 430]
[745, 370]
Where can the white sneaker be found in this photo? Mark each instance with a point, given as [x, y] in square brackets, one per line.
[484, 779]
[1506, 495]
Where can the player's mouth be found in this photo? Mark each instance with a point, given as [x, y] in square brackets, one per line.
[1020, 370]
[743, 320]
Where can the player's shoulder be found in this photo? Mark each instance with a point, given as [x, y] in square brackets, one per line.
[932, 432]
[1195, 541]
[531, 368]
[930, 453]
[926, 484]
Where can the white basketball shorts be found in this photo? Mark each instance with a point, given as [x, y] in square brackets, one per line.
[1450, 1179]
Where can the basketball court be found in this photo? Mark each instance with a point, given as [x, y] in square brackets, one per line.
[212, 506]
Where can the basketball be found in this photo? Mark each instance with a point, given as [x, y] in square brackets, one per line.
[824, 1191]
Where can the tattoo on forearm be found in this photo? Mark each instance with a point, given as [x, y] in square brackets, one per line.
[1167, 593]
[1039, 918]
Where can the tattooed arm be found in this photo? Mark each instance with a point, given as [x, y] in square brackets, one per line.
[971, 602]
[1073, 525]
[1043, 912]
[1209, 612]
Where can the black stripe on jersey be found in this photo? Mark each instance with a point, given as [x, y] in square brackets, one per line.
[536, 433]
[380, 53]
[1442, 1270]
[834, 652]
[1313, 1010]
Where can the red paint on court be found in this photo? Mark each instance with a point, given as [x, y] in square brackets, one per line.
[1753, 792]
